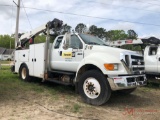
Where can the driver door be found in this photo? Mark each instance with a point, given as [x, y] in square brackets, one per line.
[151, 61]
[67, 59]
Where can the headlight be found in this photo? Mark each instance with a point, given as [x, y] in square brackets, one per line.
[115, 66]
[111, 66]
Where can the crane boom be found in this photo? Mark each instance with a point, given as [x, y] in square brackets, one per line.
[53, 25]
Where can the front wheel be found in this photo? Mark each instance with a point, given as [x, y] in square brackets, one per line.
[94, 88]
[24, 73]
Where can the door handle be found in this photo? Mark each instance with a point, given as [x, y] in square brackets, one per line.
[35, 59]
[159, 58]
[32, 59]
[60, 53]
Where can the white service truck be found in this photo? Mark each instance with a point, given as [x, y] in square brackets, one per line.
[81, 60]
[150, 51]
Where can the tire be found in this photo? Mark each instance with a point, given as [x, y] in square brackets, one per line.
[13, 68]
[127, 91]
[94, 88]
[24, 73]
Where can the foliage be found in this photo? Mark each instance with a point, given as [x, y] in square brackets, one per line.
[99, 32]
[113, 35]
[93, 30]
[7, 41]
[132, 34]
[65, 28]
[40, 39]
[132, 47]
[81, 28]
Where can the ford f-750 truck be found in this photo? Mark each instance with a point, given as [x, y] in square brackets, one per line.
[82, 60]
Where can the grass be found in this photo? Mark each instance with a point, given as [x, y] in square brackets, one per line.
[5, 62]
[61, 98]
[76, 108]
[11, 86]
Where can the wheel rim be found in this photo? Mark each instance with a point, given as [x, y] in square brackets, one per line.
[92, 88]
[24, 73]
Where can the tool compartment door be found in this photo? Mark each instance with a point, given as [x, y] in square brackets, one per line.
[39, 60]
[21, 56]
[31, 62]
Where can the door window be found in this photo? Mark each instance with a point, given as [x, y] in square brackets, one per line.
[153, 51]
[75, 42]
[58, 42]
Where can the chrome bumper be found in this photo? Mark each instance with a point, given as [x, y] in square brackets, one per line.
[127, 82]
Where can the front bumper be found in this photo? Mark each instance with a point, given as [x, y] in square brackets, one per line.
[127, 82]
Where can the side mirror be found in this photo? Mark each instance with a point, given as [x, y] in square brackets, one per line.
[67, 38]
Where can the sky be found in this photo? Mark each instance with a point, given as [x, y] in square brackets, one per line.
[118, 14]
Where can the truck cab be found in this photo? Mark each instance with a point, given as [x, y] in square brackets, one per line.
[152, 59]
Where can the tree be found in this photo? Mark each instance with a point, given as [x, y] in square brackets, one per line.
[81, 28]
[40, 39]
[65, 28]
[113, 35]
[6, 41]
[93, 30]
[99, 32]
[132, 34]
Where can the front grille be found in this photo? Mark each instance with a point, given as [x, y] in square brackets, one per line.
[136, 57]
[137, 68]
[135, 63]
[130, 80]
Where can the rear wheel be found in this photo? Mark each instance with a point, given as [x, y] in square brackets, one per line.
[24, 73]
[94, 88]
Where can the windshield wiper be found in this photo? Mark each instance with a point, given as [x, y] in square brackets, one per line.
[93, 43]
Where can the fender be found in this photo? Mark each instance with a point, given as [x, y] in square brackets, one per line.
[99, 59]
[24, 63]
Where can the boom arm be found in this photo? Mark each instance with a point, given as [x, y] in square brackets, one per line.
[54, 25]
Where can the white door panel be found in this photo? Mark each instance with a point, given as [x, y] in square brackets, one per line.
[67, 60]
[158, 59]
[39, 58]
[16, 61]
[23, 55]
[31, 60]
[151, 61]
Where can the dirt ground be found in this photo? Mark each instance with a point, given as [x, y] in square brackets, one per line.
[143, 104]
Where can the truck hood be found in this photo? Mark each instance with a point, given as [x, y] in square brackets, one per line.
[110, 50]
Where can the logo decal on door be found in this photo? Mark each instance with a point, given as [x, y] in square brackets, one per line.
[67, 54]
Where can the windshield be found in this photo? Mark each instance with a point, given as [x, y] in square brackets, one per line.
[92, 40]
